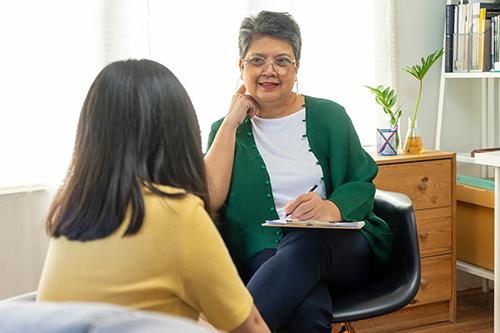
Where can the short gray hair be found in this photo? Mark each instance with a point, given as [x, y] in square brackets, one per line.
[272, 24]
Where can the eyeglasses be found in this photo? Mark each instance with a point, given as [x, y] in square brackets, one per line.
[281, 65]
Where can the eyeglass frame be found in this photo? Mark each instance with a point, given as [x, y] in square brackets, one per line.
[293, 62]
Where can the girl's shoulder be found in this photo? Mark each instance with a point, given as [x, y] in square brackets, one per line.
[168, 200]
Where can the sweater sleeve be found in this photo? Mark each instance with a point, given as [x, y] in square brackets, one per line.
[211, 282]
[354, 194]
[213, 132]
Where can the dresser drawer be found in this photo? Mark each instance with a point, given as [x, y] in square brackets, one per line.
[428, 179]
[427, 183]
[434, 231]
[435, 280]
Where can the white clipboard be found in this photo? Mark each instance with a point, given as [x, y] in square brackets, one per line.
[294, 223]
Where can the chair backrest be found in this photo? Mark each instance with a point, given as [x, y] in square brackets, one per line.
[397, 283]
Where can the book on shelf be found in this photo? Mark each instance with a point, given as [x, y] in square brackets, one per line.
[491, 19]
[491, 158]
[483, 150]
[495, 43]
[449, 28]
[472, 37]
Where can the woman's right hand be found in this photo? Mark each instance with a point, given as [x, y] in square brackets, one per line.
[220, 157]
[242, 105]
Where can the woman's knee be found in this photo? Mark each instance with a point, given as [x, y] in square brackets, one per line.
[313, 315]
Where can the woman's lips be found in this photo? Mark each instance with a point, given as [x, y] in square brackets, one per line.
[269, 85]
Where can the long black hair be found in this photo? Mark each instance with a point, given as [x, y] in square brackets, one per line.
[137, 128]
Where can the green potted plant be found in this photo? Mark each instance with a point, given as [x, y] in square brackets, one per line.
[386, 97]
[413, 141]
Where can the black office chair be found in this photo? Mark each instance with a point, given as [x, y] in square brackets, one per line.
[396, 285]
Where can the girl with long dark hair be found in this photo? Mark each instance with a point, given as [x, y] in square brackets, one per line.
[131, 224]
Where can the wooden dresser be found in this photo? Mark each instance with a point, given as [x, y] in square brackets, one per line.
[429, 180]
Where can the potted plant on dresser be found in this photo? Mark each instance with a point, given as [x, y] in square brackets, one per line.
[413, 142]
[388, 139]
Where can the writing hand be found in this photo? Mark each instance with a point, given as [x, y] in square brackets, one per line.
[310, 206]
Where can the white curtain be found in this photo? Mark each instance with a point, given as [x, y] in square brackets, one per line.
[55, 48]
[51, 52]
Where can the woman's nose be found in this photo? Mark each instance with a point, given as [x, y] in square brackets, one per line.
[268, 68]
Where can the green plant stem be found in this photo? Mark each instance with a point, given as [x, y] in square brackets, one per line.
[412, 126]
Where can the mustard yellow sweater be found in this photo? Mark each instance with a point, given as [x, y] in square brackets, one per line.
[176, 264]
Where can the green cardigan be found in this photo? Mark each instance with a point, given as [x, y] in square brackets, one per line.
[348, 173]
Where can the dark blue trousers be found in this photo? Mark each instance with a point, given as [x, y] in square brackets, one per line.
[293, 286]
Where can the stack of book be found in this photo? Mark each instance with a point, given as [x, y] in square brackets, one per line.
[472, 37]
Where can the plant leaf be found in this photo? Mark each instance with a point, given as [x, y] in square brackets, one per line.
[419, 71]
[386, 97]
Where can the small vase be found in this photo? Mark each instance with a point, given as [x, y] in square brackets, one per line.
[388, 141]
[413, 141]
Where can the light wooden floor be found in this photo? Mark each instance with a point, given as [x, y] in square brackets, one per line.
[474, 314]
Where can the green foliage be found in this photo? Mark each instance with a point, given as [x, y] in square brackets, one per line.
[386, 97]
[419, 71]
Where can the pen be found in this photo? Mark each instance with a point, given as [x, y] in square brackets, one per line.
[312, 188]
[309, 190]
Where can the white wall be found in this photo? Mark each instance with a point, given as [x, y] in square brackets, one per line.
[420, 31]
[23, 242]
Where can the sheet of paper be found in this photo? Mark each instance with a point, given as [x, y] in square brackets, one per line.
[288, 222]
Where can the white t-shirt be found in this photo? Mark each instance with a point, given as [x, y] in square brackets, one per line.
[293, 169]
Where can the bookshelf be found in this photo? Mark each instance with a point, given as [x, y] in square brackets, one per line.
[489, 136]
[472, 47]
[472, 75]
[464, 22]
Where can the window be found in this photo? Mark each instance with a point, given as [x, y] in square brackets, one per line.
[346, 45]
[51, 52]
[56, 48]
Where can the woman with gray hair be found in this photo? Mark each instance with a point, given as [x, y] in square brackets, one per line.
[272, 146]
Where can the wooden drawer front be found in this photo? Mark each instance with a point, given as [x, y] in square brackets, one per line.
[435, 280]
[427, 183]
[434, 231]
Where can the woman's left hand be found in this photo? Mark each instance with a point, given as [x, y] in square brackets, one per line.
[310, 206]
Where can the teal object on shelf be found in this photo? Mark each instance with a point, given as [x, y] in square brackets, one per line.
[487, 184]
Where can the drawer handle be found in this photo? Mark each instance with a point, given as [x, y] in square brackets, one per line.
[423, 235]
[422, 185]
[424, 283]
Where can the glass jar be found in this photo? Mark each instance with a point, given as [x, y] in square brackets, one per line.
[413, 141]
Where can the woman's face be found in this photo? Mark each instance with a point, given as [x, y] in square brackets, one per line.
[268, 70]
